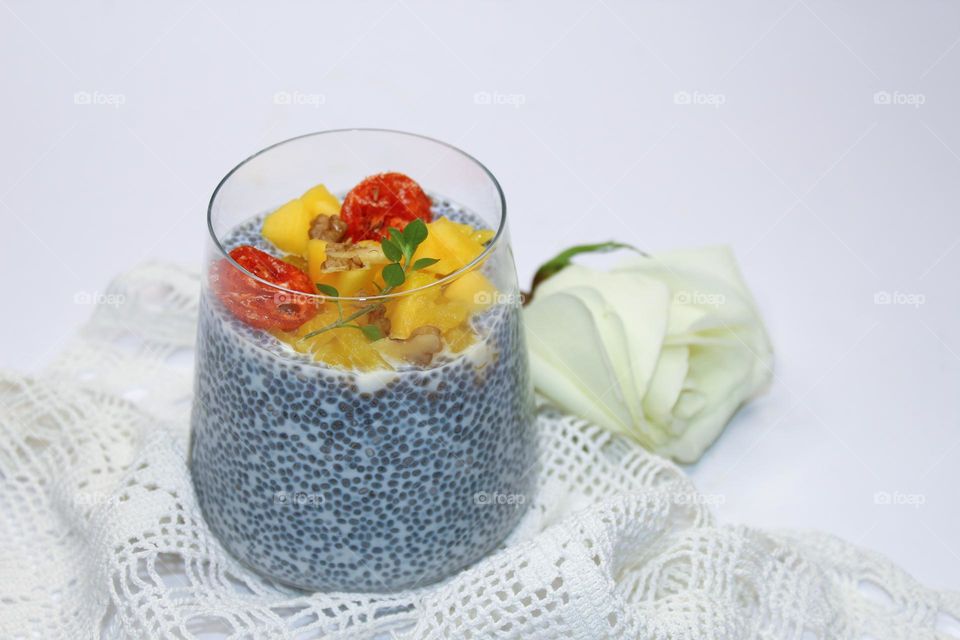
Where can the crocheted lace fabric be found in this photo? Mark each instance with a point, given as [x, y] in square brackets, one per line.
[102, 537]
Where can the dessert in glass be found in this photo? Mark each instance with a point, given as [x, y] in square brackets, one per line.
[363, 417]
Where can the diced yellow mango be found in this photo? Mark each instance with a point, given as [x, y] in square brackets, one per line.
[316, 255]
[326, 315]
[459, 338]
[288, 228]
[345, 347]
[350, 349]
[451, 243]
[319, 201]
[472, 289]
[447, 314]
[406, 312]
[424, 308]
[352, 282]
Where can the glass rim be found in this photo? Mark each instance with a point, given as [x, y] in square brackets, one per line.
[498, 232]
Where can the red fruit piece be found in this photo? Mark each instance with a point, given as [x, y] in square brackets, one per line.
[259, 304]
[383, 201]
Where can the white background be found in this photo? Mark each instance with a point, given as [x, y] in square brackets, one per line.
[783, 152]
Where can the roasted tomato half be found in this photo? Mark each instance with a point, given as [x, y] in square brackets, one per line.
[383, 201]
[259, 304]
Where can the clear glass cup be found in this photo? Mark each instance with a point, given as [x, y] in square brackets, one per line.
[328, 478]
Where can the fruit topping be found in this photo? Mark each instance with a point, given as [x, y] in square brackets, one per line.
[473, 289]
[425, 307]
[291, 226]
[288, 228]
[259, 304]
[454, 245]
[342, 347]
[319, 201]
[382, 201]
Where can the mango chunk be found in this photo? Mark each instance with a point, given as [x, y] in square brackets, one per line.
[350, 349]
[452, 243]
[345, 347]
[406, 313]
[459, 338]
[319, 201]
[288, 228]
[350, 283]
[316, 255]
[473, 289]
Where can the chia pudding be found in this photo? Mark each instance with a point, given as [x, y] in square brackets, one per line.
[328, 477]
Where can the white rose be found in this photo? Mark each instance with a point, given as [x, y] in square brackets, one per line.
[663, 349]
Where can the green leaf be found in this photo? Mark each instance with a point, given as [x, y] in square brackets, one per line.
[563, 259]
[328, 290]
[372, 332]
[397, 237]
[391, 250]
[415, 233]
[423, 263]
[393, 274]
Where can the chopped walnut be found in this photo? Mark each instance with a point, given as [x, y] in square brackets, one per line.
[344, 256]
[419, 349]
[378, 317]
[329, 228]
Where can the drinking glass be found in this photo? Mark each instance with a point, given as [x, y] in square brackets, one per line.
[330, 478]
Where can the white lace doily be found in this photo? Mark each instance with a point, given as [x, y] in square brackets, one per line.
[102, 537]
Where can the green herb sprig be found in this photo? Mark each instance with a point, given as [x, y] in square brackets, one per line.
[399, 249]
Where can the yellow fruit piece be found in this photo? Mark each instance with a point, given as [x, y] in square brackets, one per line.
[316, 254]
[405, 312]
[348, 348]
[319, 201]
[350, 283]
[451, 243]
[447, 314]
[326, 315]
[459, 338]
[426, 308]
[344, 347]
[288, 228]
[472, 289]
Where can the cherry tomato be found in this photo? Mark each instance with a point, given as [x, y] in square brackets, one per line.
[383, 201]
[259, 304]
